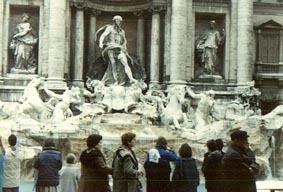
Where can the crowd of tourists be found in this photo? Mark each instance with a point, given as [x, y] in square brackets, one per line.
[165, 170]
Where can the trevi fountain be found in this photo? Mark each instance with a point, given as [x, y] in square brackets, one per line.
[176, 69]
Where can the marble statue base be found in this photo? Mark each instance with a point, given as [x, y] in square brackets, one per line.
[211, 78]
[23, 71]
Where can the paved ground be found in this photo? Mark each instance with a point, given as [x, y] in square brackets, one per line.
[27, 186]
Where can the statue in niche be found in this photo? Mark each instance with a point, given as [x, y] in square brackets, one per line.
[115, 66]
[22, 44]
[207, 45]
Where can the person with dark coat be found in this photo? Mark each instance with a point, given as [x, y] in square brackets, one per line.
[185, 177]
[220, 145]
[164, 151]
[48, 163]
[166, 156]
[94, 169]
[157, 171]
[238, 168]
[126, 167]
[211, 168]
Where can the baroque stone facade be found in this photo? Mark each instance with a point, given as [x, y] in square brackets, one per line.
[161, 33]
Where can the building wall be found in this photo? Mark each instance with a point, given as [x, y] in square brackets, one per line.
[199, 12]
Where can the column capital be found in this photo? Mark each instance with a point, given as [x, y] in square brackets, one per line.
[80, 4]
[156, 8]
[94, 12]
[138, 13]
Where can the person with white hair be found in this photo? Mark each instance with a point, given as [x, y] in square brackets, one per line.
[156, 172]
[70, 174]
[112, 40]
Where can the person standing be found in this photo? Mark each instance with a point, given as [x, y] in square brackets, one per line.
[185, 176]
[47, 164]
[239, 172]
[2, 163]
[125, 166]
[157, 171]
[220, 145]
[69, 175]
[211, 167]
[94, 169]
[166, 156]
[12, 170]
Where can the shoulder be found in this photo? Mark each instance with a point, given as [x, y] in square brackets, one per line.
[123, 154]
[107, 28]
[216, 153]
[50, 152]
[91, 153]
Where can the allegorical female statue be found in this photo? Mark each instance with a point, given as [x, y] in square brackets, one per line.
[208, 44]
[23, 42]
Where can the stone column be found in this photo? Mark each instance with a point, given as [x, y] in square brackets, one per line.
[233, 44]
[259, 37]
[79, 44]
[281, 48]
[140, 37]
[178, 52]
[57, 33]
[244, 46]
[167, 43]
[280, 52]
[190, 41]
[1, 35]
[155, 47]
[91, 36]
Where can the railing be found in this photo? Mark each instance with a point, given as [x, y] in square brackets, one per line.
[269, 68]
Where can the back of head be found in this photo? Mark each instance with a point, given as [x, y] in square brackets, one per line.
[127, 137]
[211, 145]
[161, 142]
[70, 158]
[239, 135]
[12, 140]
[185, 150]
[49, 143]
[93, 140]
[219, 144]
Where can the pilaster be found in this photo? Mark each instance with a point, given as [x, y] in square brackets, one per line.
[79, 42]
[1, 35]
[140, 37]
[155, 47]
[244, 43]
[57, 45]
[167, 41]
[178, 52]
[93, 13]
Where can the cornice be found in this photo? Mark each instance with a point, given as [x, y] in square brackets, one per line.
[264, 5]
[268, 8]
[213, 3]
[122, 5]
